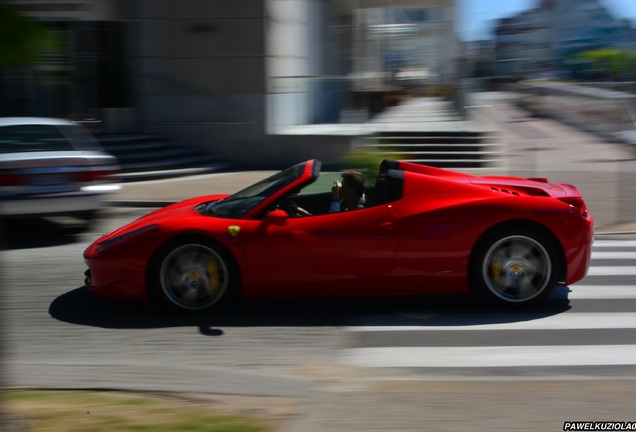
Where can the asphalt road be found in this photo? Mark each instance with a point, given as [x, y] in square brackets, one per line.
[50, 315]
[56, 332]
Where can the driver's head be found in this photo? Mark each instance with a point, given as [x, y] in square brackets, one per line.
[355, 181]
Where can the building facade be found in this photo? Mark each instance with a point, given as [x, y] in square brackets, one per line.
[233, 77]
[83, 68]
[541, 41]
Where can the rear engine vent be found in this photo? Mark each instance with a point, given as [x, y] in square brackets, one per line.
[504, 191]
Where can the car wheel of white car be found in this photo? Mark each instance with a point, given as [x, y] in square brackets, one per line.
[515, 269]
[192, 275]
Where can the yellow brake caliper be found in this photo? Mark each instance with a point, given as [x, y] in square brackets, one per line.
[495, 270]
[214, 274]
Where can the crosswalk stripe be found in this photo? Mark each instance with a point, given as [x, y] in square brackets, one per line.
[615, 243]
[518, 321]
[611, 271]
[583, 292]
[497, 354]
[492, 356]
[613, 255]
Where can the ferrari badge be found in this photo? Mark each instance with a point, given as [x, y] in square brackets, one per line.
[234, 230]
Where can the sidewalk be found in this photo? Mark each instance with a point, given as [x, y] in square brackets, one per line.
[162, 192]
[604, 172]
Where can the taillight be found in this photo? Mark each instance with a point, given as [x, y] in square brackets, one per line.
[9, 180]
[577, 203]
[91, 176]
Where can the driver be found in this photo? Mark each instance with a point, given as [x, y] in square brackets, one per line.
[350, 194]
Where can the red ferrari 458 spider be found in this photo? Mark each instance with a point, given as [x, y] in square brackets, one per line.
[422, 230]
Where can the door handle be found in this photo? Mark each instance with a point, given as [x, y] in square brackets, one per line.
[387, 226]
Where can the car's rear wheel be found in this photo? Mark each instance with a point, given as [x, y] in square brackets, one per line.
[192, 274]
[515, 269]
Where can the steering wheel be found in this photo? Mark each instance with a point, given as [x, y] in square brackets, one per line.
[292, 208]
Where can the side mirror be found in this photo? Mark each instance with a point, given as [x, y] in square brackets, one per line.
[277, 216]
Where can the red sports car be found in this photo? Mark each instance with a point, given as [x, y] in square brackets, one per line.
[422, 230]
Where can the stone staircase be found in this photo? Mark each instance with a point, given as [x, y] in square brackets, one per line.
[444, 149]
[148, 157]
[429, 131]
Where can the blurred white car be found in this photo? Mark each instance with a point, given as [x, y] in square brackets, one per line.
[52, 167]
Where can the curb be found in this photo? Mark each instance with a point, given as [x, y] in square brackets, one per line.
[153, 377]
[136, 176]
[139, 203]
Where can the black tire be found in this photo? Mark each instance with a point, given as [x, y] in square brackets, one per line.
[87, 219]
[88, 216]
[192, 274]
[514, 267]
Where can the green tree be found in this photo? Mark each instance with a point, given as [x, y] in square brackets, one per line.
[613, 63]
[22, 41]
[21, 38]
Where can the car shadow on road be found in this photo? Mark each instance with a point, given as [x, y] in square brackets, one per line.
[37, 233]
[81, 307]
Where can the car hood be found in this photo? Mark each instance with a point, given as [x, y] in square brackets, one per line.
[162, 218]
[178, 210]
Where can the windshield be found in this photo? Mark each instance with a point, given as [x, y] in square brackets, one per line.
[39, 137]
[237, 205]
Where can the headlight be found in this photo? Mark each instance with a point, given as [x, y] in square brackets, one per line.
[108, 243]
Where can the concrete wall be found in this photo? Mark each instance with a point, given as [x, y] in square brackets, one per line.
[199, 69]
[288, 61]
[222, 75]
[228, 76]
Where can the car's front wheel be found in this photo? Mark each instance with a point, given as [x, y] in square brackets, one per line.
[192, 274]
[515, 269]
